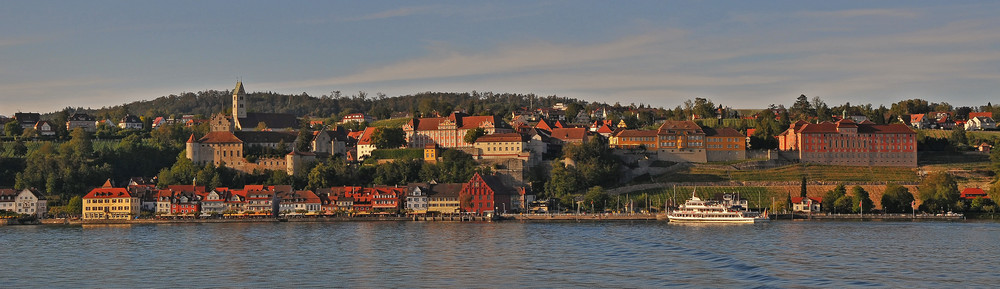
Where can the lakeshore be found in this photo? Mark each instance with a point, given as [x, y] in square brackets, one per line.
[510, 217]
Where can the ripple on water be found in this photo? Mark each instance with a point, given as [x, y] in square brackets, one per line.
[476, 255]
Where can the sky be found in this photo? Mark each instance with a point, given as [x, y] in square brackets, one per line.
[742, 54]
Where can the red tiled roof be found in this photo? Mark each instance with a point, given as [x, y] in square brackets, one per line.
[471, 122]
[604, 129]
[798, 200]
[680, 125]
[542, 124]
[980, 114]
[106, 193]
[366, 137]
[723, 132]
[971, 193]
[220, 137]
[636, 133]
[566, 134]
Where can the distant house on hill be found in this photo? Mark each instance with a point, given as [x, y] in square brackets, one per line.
[44, 128]
[130, 122]
[27, 119]
[81, 120]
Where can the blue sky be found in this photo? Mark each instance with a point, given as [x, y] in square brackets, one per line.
[744, 54]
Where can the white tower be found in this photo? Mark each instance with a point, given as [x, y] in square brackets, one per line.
[239, 102]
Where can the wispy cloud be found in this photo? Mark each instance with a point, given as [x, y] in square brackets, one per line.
[399, 12]
[855, 13]
[521, 58]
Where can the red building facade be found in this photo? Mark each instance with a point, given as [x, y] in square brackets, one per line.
[852, 144]
[485, 194]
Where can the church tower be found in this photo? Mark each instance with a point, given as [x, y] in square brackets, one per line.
[239, 102]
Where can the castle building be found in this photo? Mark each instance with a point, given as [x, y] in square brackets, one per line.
[235, 143]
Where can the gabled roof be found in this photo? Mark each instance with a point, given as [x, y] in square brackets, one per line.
[471, 122]
[604, 129]
[27, 117]
[300, 197]
[445, 190]
[980, 114]
[916, 118]
[543, 124]
[675, 126]
[723, 132]
[107, 193]
[635, 133]
[33, 192]
[81, 117]
[366, 137]
[569, 134]
[219, 137]
[131, 119]
[798, 200]
[498, 186]
[969, 193]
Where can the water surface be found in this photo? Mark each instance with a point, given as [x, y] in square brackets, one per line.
[640, 254]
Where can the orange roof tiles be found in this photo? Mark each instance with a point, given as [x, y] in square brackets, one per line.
[220, 137]
[568, 134]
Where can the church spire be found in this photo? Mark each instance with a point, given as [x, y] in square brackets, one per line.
[239, 101]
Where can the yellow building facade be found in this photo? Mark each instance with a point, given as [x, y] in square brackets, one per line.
[109, 203]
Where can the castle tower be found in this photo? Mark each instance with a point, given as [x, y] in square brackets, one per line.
[239, 102]
[192, 150]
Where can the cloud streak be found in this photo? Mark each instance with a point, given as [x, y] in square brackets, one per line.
[399, 12]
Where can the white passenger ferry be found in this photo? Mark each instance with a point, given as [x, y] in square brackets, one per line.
[697, 210]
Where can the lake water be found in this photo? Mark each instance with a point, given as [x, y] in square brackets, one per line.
[647, 254]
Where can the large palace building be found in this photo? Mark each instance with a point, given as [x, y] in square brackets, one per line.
[852, 144]
[684, 141]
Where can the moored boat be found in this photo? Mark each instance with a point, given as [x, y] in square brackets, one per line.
[696, 210]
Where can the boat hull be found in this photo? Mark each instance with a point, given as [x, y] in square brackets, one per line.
[715, 220]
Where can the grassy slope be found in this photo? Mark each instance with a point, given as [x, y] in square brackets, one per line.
[392, 122]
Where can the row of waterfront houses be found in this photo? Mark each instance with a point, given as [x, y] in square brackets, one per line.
[480, 195]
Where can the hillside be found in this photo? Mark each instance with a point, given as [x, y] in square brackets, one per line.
[206, 103]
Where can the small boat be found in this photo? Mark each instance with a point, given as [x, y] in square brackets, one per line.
[696, 210]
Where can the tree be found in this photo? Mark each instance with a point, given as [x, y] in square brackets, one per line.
[80, 143]
[938, 192]
[303, 142]
[802, 109]
[13, 128]
[843, 204]
[897, 199]
[861, 200]
[958, 137]
[596, 197]
[831, 197]
[473, 134]
[803, 191]
[75, 205]
[387, 138]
